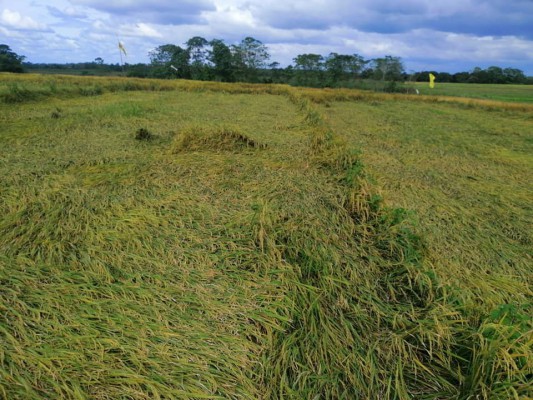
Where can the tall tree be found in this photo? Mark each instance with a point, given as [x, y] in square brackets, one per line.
[250, 55]
[341, 67]
[197, 48]
[309, 69]
[222, 60]
[309, 62]
[9, 60]
[388, 68]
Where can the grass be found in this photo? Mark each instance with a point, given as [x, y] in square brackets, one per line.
[245, 251]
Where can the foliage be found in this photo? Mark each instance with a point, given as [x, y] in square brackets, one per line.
[250, 55]
[309, 70]
[388, 68]
[9, 60]
[309, 62]
[222, 61]
[139, 71]
[342, 67]
[197, 49]
[166, 56]
[493, 75]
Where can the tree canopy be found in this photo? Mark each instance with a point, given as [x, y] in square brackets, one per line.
[9, 60]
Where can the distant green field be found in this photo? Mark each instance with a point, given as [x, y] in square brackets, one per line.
[76, 72]
[191, 240]
[514, 93]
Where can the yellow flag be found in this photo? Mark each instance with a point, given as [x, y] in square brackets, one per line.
[122, 48]
[431, 81]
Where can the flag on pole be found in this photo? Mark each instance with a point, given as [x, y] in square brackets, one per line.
[122, 48]
[431, 81]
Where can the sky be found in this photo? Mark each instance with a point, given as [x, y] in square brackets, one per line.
[440, 35]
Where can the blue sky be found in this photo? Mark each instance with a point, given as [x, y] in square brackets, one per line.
[442, 35]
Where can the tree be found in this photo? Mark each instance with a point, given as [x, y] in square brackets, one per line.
[388, 68]
[276, 73]
[222, 60]
[197, 48]
[309, 62]
[495, 75]
[250, 55]
[162, 54]
[343, 67]
[9, 60]
[514, 75]
[310, 69]
[167, 55]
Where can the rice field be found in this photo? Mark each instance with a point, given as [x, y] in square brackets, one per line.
[497, 92]
[465, 175]
[197, 240]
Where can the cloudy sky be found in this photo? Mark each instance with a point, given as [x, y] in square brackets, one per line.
[442, 35]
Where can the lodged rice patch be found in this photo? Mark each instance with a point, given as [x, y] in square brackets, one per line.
[242, 248]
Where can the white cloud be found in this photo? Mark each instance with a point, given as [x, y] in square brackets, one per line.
[230, 15]
[67, 12]
[15, 20]
[146, 30]
[453, 35]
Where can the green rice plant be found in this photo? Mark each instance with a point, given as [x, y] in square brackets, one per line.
[497, 352]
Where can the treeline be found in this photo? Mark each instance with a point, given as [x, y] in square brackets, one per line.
[83, 68]
[9, 60]
[250, 61]
[477, 75]
[200, 59]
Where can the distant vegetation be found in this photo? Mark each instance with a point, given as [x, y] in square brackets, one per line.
[250, 61]
[9, 60]
[478, 75]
